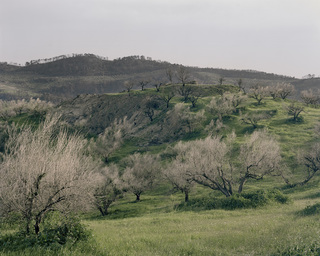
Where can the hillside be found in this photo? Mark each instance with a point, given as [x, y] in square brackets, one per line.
[270, 217]
[66, 77]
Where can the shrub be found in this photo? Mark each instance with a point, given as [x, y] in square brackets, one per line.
[54, 235]
[236, 201]
[311, 210]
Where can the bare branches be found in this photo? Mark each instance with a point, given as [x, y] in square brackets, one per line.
[183, 75]
[294, 110]
[45, 170]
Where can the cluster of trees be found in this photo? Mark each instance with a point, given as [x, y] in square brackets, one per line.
[35, 107]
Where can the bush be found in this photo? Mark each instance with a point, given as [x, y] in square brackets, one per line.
[312, 249]
[54, 235]
[236, 201]
[311, 210]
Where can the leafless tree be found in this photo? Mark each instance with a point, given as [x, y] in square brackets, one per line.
[128, 85]
[210, 162]
[207, 164]
[236, 99]
[240, 85]
[151, 105]
[258, 93]
[178, 171]
[311, 160]
[112, 138]
[157, 85]
[183, 117]
[310, 97]
[285, 90]
[221, 79]
[294, 110]
[281, 90]
[221, 106]
[253, 118]
[140, 173]
[45, 170]
[183, 75]
[185, 92]
[143, 83]
[109, 189]
[194, 97]
[259, 156]
[167, 97]
[170, 75]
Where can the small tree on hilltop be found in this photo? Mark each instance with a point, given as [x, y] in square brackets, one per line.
[183, 75]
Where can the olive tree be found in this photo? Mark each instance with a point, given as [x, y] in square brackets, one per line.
[140, 173]
[45, 170]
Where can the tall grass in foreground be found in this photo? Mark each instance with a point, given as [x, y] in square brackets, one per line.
[274, 230]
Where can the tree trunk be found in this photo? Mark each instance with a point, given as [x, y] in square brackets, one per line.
[137, 197]
[186, 196]
[242, 182]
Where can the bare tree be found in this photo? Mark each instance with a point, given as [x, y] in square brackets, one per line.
[185, 92]
[112, 138]
[259, 156]
[128, 85]
[167, 97]
[241, 86]
[285, 90]
[157, 85]
[258, 93]
[183, 117]
[170, 75]
[253, 118]
[194, 97]
[221, 80]
[140, 173]
[221, 106]
[151, 105]
[311, 160]
[45, 170]
[178, 171]
[207, 164]
[109, 189]
[310, 97]
[143, 83]
[294, 110]
[183, 75]
[210, 161]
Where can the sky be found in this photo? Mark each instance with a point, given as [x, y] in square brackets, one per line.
[275, 36]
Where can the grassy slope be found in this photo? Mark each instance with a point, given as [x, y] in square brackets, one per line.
[154, 226]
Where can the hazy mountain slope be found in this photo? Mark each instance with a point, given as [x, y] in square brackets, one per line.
[65, 77]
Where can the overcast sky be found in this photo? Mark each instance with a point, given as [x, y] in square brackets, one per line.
[277, 36]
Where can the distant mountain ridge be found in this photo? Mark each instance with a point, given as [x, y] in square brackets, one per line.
[67, 76]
